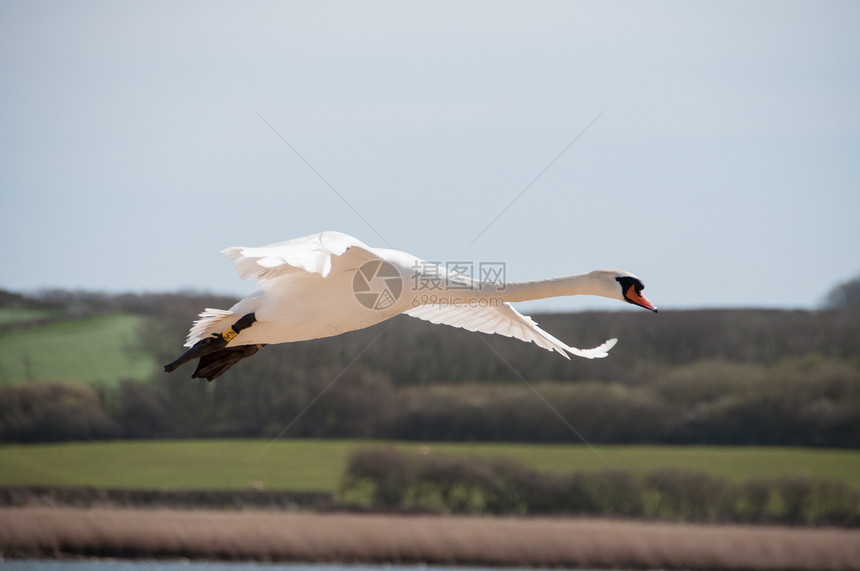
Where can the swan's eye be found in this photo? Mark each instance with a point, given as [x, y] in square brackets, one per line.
[630, 284]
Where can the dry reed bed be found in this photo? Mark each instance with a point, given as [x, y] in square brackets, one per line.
[309, 537]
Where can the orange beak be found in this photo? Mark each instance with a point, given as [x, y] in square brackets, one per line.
[637, 298]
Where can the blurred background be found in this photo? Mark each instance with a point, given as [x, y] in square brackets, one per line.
[709, 148]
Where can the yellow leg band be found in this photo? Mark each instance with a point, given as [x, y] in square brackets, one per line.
[229, 335]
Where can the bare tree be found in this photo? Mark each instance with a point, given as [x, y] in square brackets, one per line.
[846, 294]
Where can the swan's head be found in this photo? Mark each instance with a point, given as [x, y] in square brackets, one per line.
[624, 286]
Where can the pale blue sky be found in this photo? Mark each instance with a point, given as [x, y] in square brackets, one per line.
[724, 169]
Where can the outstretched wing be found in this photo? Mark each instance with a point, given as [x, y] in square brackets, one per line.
[504, 320]
[306, 254]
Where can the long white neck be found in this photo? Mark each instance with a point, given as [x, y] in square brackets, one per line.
[582, 284]
[428, 289]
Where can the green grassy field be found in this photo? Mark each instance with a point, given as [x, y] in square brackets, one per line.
[318, 464]
[90, 350]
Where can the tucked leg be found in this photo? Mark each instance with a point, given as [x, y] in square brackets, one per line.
[215, 345]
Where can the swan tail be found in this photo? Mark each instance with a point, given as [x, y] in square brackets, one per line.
[210, 322]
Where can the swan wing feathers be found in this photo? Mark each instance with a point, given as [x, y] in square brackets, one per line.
[504, 320]
[310, 254]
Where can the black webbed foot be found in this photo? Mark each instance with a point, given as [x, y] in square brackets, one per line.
[213, 365]
[200, 349]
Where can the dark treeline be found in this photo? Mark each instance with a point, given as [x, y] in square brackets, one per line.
[87, 497]
[384, 478]
[715, 376]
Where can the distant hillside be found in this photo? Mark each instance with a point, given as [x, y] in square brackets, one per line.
[77, 336]
[100, 349]
[708, 377]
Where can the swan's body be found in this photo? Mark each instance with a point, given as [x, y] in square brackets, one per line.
[330, 283]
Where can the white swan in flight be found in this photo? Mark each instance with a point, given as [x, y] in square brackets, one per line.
[330, 283]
